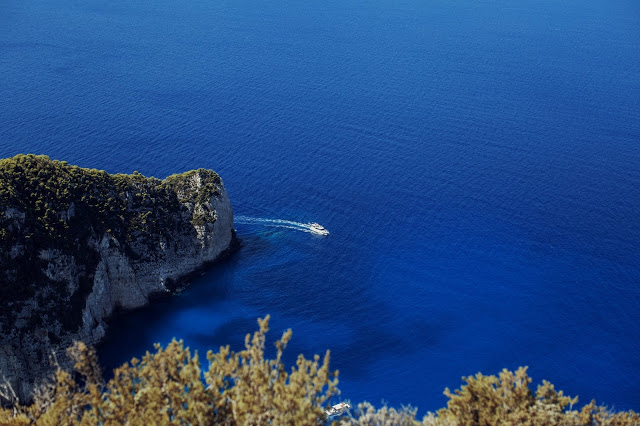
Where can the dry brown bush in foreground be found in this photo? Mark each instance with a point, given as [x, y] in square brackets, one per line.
[503, 400]
[244, 388]
[165, 387]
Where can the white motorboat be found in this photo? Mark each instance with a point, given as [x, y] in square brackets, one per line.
[316, 228]
[338, 409]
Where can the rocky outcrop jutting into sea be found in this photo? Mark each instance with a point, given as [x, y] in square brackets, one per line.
[76, 244]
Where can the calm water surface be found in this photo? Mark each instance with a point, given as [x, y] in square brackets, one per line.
[477, 164]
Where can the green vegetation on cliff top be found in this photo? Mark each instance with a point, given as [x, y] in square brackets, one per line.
[47, 191]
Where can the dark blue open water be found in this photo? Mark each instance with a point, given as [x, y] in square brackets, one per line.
[477, 164]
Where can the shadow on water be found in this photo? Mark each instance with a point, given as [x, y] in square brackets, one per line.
[135, 332]
[231, 332]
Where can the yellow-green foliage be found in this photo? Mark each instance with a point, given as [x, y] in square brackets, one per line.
[504, 400]
[367, 415]
[166, 387]
[245, 388]
[508, 400]
[253, 390]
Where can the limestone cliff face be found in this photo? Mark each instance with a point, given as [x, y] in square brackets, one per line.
[69, 260]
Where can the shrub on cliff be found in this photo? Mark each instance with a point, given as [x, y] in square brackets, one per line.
[62, 203]
[166, 387]
[503, 400]
[245, 388]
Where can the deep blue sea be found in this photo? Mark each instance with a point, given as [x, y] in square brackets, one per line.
[476, 162]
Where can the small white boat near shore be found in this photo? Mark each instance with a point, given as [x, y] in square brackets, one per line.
[338, 409]
[318, 229]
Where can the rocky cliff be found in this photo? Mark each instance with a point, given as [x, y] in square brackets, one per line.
[76, 244]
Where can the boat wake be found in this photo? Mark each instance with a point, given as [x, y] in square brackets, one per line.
[274, 223]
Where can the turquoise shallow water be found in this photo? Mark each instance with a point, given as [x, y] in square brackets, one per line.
[475, 162]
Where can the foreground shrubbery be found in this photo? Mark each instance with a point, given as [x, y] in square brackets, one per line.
[166, 387]
[244, 388]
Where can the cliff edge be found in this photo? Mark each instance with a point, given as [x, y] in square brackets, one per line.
[76, 244]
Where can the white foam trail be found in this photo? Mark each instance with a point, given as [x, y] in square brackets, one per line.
[276, 223]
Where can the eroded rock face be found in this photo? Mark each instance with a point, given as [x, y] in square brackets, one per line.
[57, 290]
